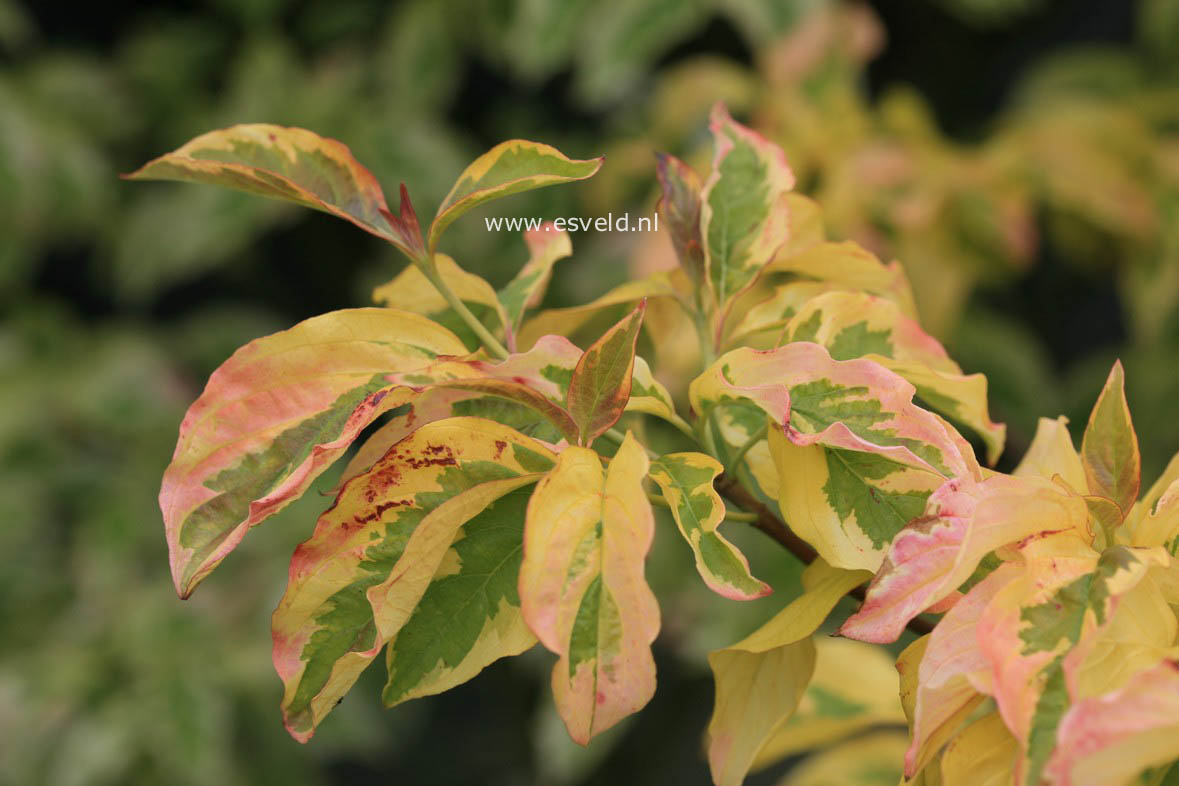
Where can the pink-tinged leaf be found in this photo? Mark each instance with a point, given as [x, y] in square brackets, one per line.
[356, 581]
[1109, 450]
[964, 520]
[1110, 739]
[274, 416]
[680, 208]
[601, 381]
[744, 215]
[761, 679]
[508, 168]
[582, 585]
[953, 675]
[294, 165]
[537, 379]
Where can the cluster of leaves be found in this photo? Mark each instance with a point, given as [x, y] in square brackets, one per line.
[496, 505]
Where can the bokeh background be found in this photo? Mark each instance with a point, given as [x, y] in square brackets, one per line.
[1021, 157]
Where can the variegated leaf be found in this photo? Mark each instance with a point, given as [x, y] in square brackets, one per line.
[1109, 739]
[680, 208]
[565, 321]
[857, 324]
[857, 458]
[964, 520]
[761, 679]
[854, 688]
[851, 267]
[274, 416]
[508, 168]
[686, 480]
[294, 165]
[582, 585]
[354, 583]
[744, 218]
[601, 382]
[1109, 450]
[1051, 454]
[648, 394]
[546, 246]
[412, 291]
[764, 324]
[984, 754]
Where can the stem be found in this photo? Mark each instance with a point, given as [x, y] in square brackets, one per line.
[489, 341]
[756, 437]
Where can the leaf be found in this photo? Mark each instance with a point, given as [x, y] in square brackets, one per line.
[1109, 739]
[854, 688]
[1109, 449]
[858, 324]
[273, 417]
[582, 587]
[508, 168]
[963, 521]
[761, 679]
[680, 207]
[374, 553]
[953, 675]
[851, 267]
[294, 165]
[744, 218]
[564, 321]
[857, 458]
[1052, 453]
[648, 394]
[870, 760]
[686, 480]
[412, 291]
[768, 318]
[601, 381]
[546, 246]
[984, 754]
[537, 379]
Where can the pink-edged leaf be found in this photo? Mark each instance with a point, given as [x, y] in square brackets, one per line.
[601, 381]
[294, 165]
[744, 216]
[274, 416]
[1109, 449]
[964, 521]
[582, 587]
[1112, 738]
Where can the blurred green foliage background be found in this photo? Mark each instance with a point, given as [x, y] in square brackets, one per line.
[1021, 157]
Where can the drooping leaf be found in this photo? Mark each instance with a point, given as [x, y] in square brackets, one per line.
[583, 589]
[1109, 450]
[686, 480]
[373, 554]
[294, 165]
[508, 168]
[854, 688]
[601, 382]
[546, 246]
[680, 208]
[744, 218]
[274, 416]
[1112, 738]
[412, 291]
[761, 679]
[935, 554]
